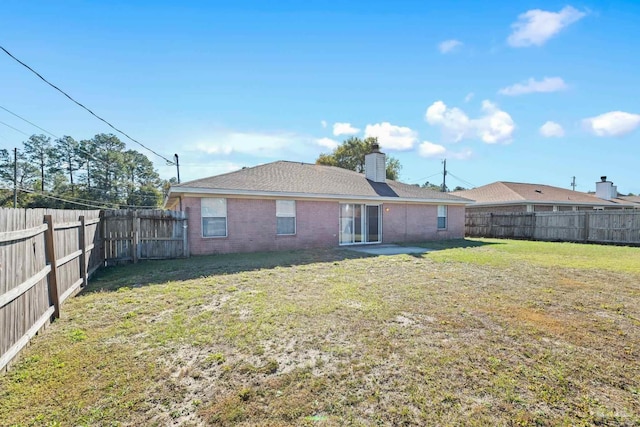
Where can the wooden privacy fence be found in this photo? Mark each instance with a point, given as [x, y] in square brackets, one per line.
[619, 227]
[131, 235]
[46, 256]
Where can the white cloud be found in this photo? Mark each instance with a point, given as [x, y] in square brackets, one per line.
[344, 129]
[548, 84]
[454, 122]
[252, 143]
[392, 137]
[449, 46]
[460, 155]
[536, 26]
[323, 123]
[469, 97]
[551, 129]
[327, 143]
[429, 149]
[613, 123]
[198, 168]
[493, 126]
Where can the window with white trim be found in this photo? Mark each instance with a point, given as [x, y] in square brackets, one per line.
[285, 217]
[214, 217]
[442, 217]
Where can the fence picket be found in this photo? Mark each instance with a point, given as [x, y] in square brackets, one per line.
[618, 227]
[48, 255]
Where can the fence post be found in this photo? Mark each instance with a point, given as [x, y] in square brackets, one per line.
[490, 225]
[586, 226]
[83, 248]
[50, 251]
[135, 224]
[103, 240]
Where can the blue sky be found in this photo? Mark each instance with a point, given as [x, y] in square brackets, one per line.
[512, 91]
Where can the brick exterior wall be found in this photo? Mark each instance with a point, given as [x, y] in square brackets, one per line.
[251, 225]
[404, 222]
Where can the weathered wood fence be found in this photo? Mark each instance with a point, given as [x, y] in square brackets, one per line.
[619, 227]
[46, 256]
[131, 235]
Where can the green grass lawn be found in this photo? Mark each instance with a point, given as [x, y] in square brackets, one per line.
[480, 332]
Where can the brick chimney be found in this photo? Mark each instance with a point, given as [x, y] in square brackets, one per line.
[605, 189]
[375, 168]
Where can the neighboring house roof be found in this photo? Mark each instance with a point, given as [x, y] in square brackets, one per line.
[514, 193]
[632, 199]
[305, 180]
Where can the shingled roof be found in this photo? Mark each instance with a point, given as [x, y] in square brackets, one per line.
[502, 192]
[295, 179]
[632, 199]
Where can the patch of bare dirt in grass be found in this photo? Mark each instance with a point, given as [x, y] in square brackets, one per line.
[399, 340]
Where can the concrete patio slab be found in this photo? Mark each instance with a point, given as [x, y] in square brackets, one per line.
[388, 249]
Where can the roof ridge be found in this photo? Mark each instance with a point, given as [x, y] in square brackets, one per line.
[518, 195]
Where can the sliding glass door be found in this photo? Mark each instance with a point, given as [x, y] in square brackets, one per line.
[359, 223]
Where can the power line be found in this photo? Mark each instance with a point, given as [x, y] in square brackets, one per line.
[82, 202]
[430, 176]
[461, 180]
[59, 198]
[170, 162]
[76, 147]
[32, 124]
[49, 133]
[11, 127]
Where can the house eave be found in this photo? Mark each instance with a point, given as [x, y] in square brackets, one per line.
[539, 202]
[193, 191]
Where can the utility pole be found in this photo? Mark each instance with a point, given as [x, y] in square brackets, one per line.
[177, 166]
[444, 176]
[573, 183]
[73, 191]
[15, 178]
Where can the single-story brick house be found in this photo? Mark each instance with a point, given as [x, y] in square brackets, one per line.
[290, 205]
[516, 197]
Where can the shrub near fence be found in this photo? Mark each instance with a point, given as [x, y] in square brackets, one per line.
[618, 227]
[45, 257]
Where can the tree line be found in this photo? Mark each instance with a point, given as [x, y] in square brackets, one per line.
[67, 174]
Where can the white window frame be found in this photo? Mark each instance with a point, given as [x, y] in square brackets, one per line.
[283, 212]
[443, 213]
[203, 207]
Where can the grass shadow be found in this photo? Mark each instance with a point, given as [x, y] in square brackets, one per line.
[148, 273]
[439, 245]
[153, 272]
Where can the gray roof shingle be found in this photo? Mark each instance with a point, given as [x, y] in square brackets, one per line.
[513, 192]
[305, 178]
